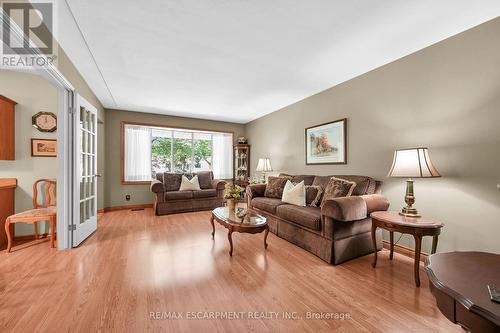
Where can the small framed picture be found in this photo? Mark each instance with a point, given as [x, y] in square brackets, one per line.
[327, 143]
[43, 147]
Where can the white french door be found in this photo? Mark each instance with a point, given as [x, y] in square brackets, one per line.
[85, 195]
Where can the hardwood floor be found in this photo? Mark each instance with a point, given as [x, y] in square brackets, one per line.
[136, 264]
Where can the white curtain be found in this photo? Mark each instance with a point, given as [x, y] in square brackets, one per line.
[137, 153]
[222, 155]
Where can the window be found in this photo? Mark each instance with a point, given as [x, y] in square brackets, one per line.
[151, 149]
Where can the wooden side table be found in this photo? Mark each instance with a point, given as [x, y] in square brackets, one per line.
[416, 226]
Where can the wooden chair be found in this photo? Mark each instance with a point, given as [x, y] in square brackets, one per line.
[46, 211]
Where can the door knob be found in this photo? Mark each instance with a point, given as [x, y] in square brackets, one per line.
[98, 175]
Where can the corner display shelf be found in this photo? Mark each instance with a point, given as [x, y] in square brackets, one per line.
[241, 172]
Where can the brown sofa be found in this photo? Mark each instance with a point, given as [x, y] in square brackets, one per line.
[169, 200]
[337, 231]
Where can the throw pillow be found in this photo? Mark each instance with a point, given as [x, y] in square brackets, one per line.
[294, 194]
[337, 188]
[205, 179]
[313, 195]
[274, 187]
[189, 185]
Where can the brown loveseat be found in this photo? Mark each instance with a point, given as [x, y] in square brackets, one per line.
[169, 200]
[337, 231]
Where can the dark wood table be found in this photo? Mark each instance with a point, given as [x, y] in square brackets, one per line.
[458, 281]
[416, 226]
[251, 223]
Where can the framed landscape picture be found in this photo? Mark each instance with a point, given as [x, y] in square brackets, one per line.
[43, 148]
[327, 143]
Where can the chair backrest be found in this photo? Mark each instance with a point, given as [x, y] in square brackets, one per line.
[44, 193]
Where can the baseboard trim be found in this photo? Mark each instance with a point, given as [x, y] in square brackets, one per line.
[31, 237]
[126, 207]
[406, 251]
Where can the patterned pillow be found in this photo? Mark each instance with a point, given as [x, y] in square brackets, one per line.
[172, 181]
[275, 186]
[313, 195]
[337, 188]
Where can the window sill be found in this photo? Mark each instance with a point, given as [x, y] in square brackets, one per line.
[142, 182]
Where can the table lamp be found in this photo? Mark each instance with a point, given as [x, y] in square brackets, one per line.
[264, 166]
[412, 163]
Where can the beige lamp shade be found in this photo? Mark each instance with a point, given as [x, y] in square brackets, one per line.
[264, 165]
[413, 163]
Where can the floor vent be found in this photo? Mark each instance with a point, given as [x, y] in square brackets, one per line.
[137, 209]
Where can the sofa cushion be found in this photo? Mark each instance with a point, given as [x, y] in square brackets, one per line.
[205, 179]
[321, 181]
[314, 194]
[267, 204]
[364, 184]
[159, 176]
[309, 217]
[294, 194]
[178, 195]
[172, 181]
[275, 186]
[337, 188]
[189, 184]
[308, 179]
[208, 193]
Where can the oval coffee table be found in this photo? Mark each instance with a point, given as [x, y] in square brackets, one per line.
[251, 223]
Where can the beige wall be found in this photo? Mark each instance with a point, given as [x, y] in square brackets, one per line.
[33, 94]
[140, 194]
[445, 97]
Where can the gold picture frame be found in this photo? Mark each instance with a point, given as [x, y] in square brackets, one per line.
[43, 147]
[327, 143]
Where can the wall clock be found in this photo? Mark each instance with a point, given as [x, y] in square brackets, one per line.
[45, 121]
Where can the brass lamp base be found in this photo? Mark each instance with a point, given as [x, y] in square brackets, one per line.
[410, 200]
[409, 211]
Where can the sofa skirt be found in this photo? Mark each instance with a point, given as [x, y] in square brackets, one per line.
[334, 251]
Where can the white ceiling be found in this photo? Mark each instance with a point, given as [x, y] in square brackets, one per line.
[237, 60]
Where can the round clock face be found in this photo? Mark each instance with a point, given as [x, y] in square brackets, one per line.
[44, 121]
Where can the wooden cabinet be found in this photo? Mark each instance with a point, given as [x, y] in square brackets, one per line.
[7, 192]
[7, 128]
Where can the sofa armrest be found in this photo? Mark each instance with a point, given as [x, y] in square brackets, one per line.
[256, 190]
[354, 208]
[218, 184]
[157, 186]
[253, 191]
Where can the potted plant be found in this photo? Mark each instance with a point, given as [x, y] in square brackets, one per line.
[231, 194]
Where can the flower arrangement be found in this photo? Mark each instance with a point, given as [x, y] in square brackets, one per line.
[232, 192]
[254, 180]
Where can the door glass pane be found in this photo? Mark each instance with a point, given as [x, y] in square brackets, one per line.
[91, 186]
[91, 144]
[82, 212]
[91, 122]
[82, 188]
[91, 207]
